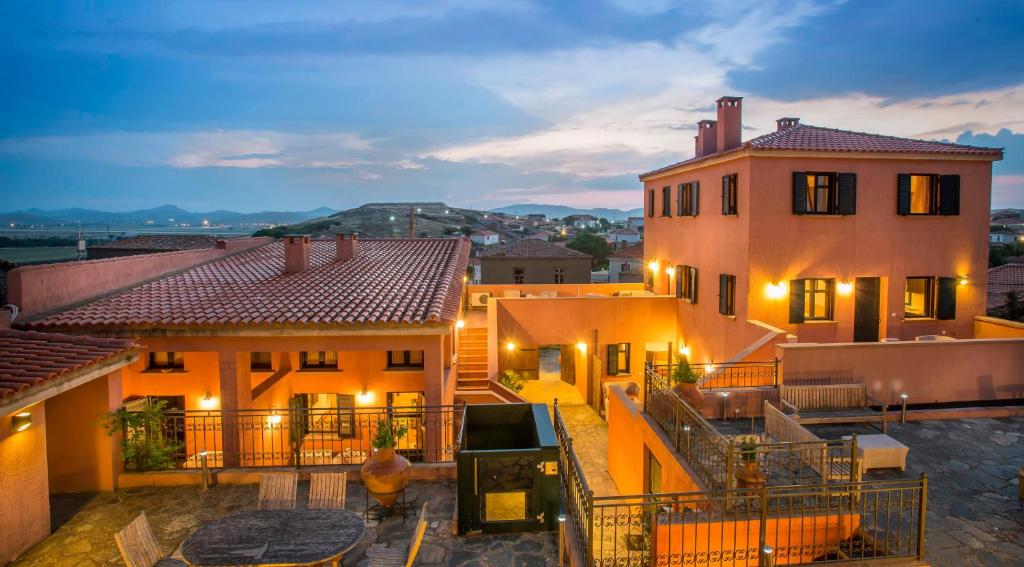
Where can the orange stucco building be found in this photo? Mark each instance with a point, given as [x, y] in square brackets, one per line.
[827, 235]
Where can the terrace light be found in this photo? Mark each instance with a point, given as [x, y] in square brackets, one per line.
[582, 347]
[274, 418]
[21, 421]
[844, 288]
[365, 396]
[460, 323]
[669, 271]
[708, 369]
[775, 290]
[684, 351]
[208, 402]
[653, 265]
[963, 280]
[510, 346]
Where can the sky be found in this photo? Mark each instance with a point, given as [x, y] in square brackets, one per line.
[276, 105]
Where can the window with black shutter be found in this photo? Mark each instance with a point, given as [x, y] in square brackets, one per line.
[729, 194]
[689, 284]
[847, 193]
[945, 303]
[618, 359]
[918, 297]
[689, 199]
[824, 193]
[927, 194]
[650, 203]
[666, 201]
[679, 281]
[727, 294]
[796, 301]
[819, 299]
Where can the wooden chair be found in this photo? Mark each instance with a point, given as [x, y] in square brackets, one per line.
[327, 491]
[277, 491]
[391, 557]
[139, 548]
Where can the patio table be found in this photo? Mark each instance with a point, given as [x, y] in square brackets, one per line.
[274, 537]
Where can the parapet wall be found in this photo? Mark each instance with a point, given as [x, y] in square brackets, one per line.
[40, 288]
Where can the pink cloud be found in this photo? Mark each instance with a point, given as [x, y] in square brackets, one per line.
[1008, 191]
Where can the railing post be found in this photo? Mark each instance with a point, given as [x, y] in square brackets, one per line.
[775, 378]
[675, 425]
[854, 465]
[765, 552]
[589, 552]
[921, 516]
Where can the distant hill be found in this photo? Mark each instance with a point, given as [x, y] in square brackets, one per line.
[559, 211]
[1008, 216]
[163, 215]
[385, 220]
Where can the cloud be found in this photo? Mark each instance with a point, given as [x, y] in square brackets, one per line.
[1013, 144]
[1007, 191]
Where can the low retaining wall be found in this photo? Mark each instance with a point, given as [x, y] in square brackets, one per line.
[420, 471]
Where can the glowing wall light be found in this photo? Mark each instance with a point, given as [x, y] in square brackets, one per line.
[684, 351]
[962, 280]
[844, 288]
[582, 347]
[208, 402]
[21, 421]
[460, 324]
[653, 265]
[775, 290]
[510, 346]
[669, 271]
[364, 397]
[274, 418]
[708, 369]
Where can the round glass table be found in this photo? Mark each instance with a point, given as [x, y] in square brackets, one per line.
[274, 537]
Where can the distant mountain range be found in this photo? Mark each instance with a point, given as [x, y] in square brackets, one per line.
[163, 215]
[559, 211]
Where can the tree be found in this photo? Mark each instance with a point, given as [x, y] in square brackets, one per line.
[276, 232]
[590, 243]
[467, 230]
[605, 223]
[1013, 309]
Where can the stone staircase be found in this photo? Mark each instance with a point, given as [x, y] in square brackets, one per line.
[473, 359]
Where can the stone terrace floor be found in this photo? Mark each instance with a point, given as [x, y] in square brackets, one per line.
[86, 537]
[974, 515]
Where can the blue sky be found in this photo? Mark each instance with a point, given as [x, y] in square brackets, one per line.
[292, 105]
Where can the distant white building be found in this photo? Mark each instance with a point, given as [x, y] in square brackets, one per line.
[1003, 237]
[636, 223]
[627, 265]
[539, 235]
[624, 236]
[484, 237]
[581, 221]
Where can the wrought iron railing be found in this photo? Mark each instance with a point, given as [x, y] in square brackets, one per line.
[728, 374]
[304, 436]
[794, 524]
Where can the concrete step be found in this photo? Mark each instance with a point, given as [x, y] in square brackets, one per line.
[476, 375]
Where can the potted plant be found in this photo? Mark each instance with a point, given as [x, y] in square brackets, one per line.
[685, 383]
[386, 473]
[750, 473]
[145, 443]
[512, 380]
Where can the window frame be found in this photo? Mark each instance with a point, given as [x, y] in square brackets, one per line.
[559, 273]
[810, 292]
[933, 194]
[321, 365]
[730, 194]
[929, 297]
[260, 366]
[831, 193]
[666, 201]
[175, 361]
[520, 277]
[406, 362]
[650, 203]
[728, 290]
[619, 369]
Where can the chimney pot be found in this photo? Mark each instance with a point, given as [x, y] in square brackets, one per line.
[783, 123]
[730, 122]
[345, 246]
[707, 137]
[296, 253]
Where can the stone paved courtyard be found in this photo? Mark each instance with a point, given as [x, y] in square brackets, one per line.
[86, 537]
[974, 515]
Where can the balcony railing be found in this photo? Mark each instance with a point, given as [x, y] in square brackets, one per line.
[729, 374]
[301, 436]
[826, 522]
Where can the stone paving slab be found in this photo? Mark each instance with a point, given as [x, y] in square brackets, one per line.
[86, 539]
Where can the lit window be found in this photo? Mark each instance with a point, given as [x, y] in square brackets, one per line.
[405, 359]
[618, 359]
[922, 194]
[818, 299]
[318, 360]
[917, 300]
[166, 361]
[821, 193]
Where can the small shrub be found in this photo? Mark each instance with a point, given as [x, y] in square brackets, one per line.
[512, 380]
[748, 447]
[683, 373]
[387, 434]
[145, 443]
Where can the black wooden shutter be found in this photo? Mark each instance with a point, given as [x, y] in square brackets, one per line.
[695, 195]
[725, 195]
[903, 194]
[679, 281]
[847, 193]
[945, 305]
[693, 285]
[650, 203]
[613, 360]
[799, 192]
[796, 301]
[679, 198]
[949, 195]
[723, 294]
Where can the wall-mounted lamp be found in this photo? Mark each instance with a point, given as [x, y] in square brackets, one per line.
[460, 324]
[364, 397]
[775, 290]
[708, 369]
[844, 288]
[582, 347]
[208, 402]
[653, 265]
[274, 418]
[510, 346]
[21, 421]
[684, 351]
[669, 271]
[962, 280]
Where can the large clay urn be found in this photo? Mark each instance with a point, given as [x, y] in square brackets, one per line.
[385, 474]
[691, 394]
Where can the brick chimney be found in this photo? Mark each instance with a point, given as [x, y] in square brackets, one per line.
[783, 123]
[730, 122]
[345, 246]
[707, 138]
[296, 253]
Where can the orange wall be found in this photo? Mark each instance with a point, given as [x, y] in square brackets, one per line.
[82, 457]
[563, 290]
[993, 328]
[932, 371]
[24, 495]
[767, 243]
[40, 288]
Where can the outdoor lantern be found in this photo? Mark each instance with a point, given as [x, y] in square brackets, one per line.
[460, 323]
[962, 280]
[844, 288]
[21, 421]
[582, 347]
[208, 402]
[274, 418]
[669, 272]
[365, 396]
[653, 265]
[775, 290]
[684, 351]
[708, 369]
[510, 346]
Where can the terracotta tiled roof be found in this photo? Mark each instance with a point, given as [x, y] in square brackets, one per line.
[389, 281]
[1004, 279]
[806, 138]
[28, 358]
[168, 242]
[634, 252]
[625, 231]
[484, 233]
[532, 248]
